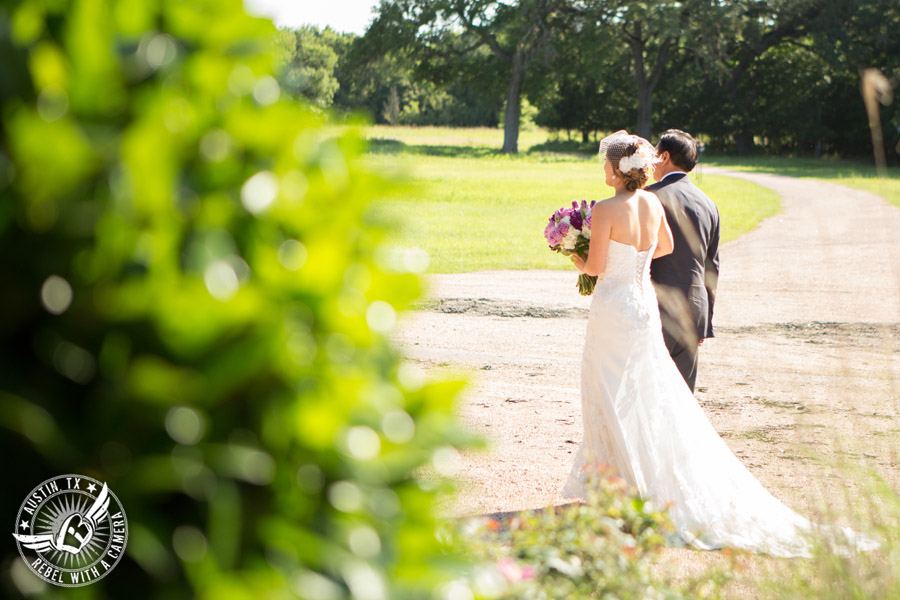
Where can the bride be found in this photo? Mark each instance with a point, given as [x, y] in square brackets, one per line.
[640, 417]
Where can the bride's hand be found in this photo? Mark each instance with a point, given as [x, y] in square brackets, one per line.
[579, 262]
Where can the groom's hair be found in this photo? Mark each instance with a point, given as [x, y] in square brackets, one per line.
[682, 148]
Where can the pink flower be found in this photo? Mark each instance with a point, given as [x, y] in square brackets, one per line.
[514, 572]
[554, 238]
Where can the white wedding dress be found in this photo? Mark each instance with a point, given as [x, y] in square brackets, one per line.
[641, 419]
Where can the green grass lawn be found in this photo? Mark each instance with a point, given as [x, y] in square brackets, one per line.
[473, 208]
[480, 141]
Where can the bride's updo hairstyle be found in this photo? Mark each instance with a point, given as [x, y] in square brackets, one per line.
[635, 177]
[631, 157]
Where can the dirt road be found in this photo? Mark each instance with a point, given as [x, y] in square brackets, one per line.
[805, 367]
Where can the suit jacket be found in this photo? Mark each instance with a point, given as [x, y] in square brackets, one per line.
[686, 279]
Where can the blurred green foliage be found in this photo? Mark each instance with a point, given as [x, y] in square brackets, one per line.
[195, 309]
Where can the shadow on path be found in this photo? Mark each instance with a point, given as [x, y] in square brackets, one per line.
[391, 146]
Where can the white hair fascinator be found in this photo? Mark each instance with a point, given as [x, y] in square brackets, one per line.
[613, 148]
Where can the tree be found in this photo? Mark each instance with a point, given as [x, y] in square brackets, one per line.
[391, 111]
[867, 40]
[649, 30]
[307, 61]
[745, 31]
[588, 86]
[652, 31]
[441, 30]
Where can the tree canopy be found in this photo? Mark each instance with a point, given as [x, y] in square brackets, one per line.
[772, 75]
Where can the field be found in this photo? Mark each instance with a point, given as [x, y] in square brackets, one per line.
[477, 209]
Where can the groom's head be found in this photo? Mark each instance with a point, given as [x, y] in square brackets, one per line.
[677, 151]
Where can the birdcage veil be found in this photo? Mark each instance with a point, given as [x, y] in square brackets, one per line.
[614, 147]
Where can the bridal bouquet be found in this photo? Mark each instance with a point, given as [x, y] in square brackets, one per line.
[569, 232]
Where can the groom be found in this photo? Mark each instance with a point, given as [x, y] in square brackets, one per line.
[685, 280]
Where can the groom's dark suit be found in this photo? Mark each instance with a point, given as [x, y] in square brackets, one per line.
[685, 280]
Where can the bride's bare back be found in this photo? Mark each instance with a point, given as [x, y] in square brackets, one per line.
[633, 218]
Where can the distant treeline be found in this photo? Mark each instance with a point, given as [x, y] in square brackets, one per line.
[781, 76]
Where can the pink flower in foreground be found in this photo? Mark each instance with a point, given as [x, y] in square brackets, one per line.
[513, 572]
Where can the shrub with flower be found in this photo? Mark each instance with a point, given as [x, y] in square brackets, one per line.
[603, 548]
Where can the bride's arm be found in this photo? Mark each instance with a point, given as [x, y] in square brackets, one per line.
[665, 242]
[601, 225]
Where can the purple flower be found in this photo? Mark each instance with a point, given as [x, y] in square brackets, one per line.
[555, 238]
[588, 213]
[552, 234]
[578, 216]
[576, 220]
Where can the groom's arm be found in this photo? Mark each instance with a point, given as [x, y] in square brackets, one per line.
[711, 279]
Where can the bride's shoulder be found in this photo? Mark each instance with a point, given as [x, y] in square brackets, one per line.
[604, 204]
[649, 197]
[651, 202]
[604, 207]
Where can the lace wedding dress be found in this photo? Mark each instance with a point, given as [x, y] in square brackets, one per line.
[642, 420]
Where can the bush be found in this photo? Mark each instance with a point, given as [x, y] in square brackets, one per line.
[195, 309]
[605, 548]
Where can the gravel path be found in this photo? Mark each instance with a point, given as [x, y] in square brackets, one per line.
[805, 368]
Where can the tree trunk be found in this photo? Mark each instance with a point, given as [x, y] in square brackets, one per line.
[585, 136]
[743, 138]
[645, 85]
[645, 111]
[743, 142]
[514, 104]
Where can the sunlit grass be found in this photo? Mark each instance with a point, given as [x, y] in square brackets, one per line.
[476, 209]
[858, 174]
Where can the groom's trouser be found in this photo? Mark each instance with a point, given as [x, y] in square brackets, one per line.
[682, 316]
[685, 357]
